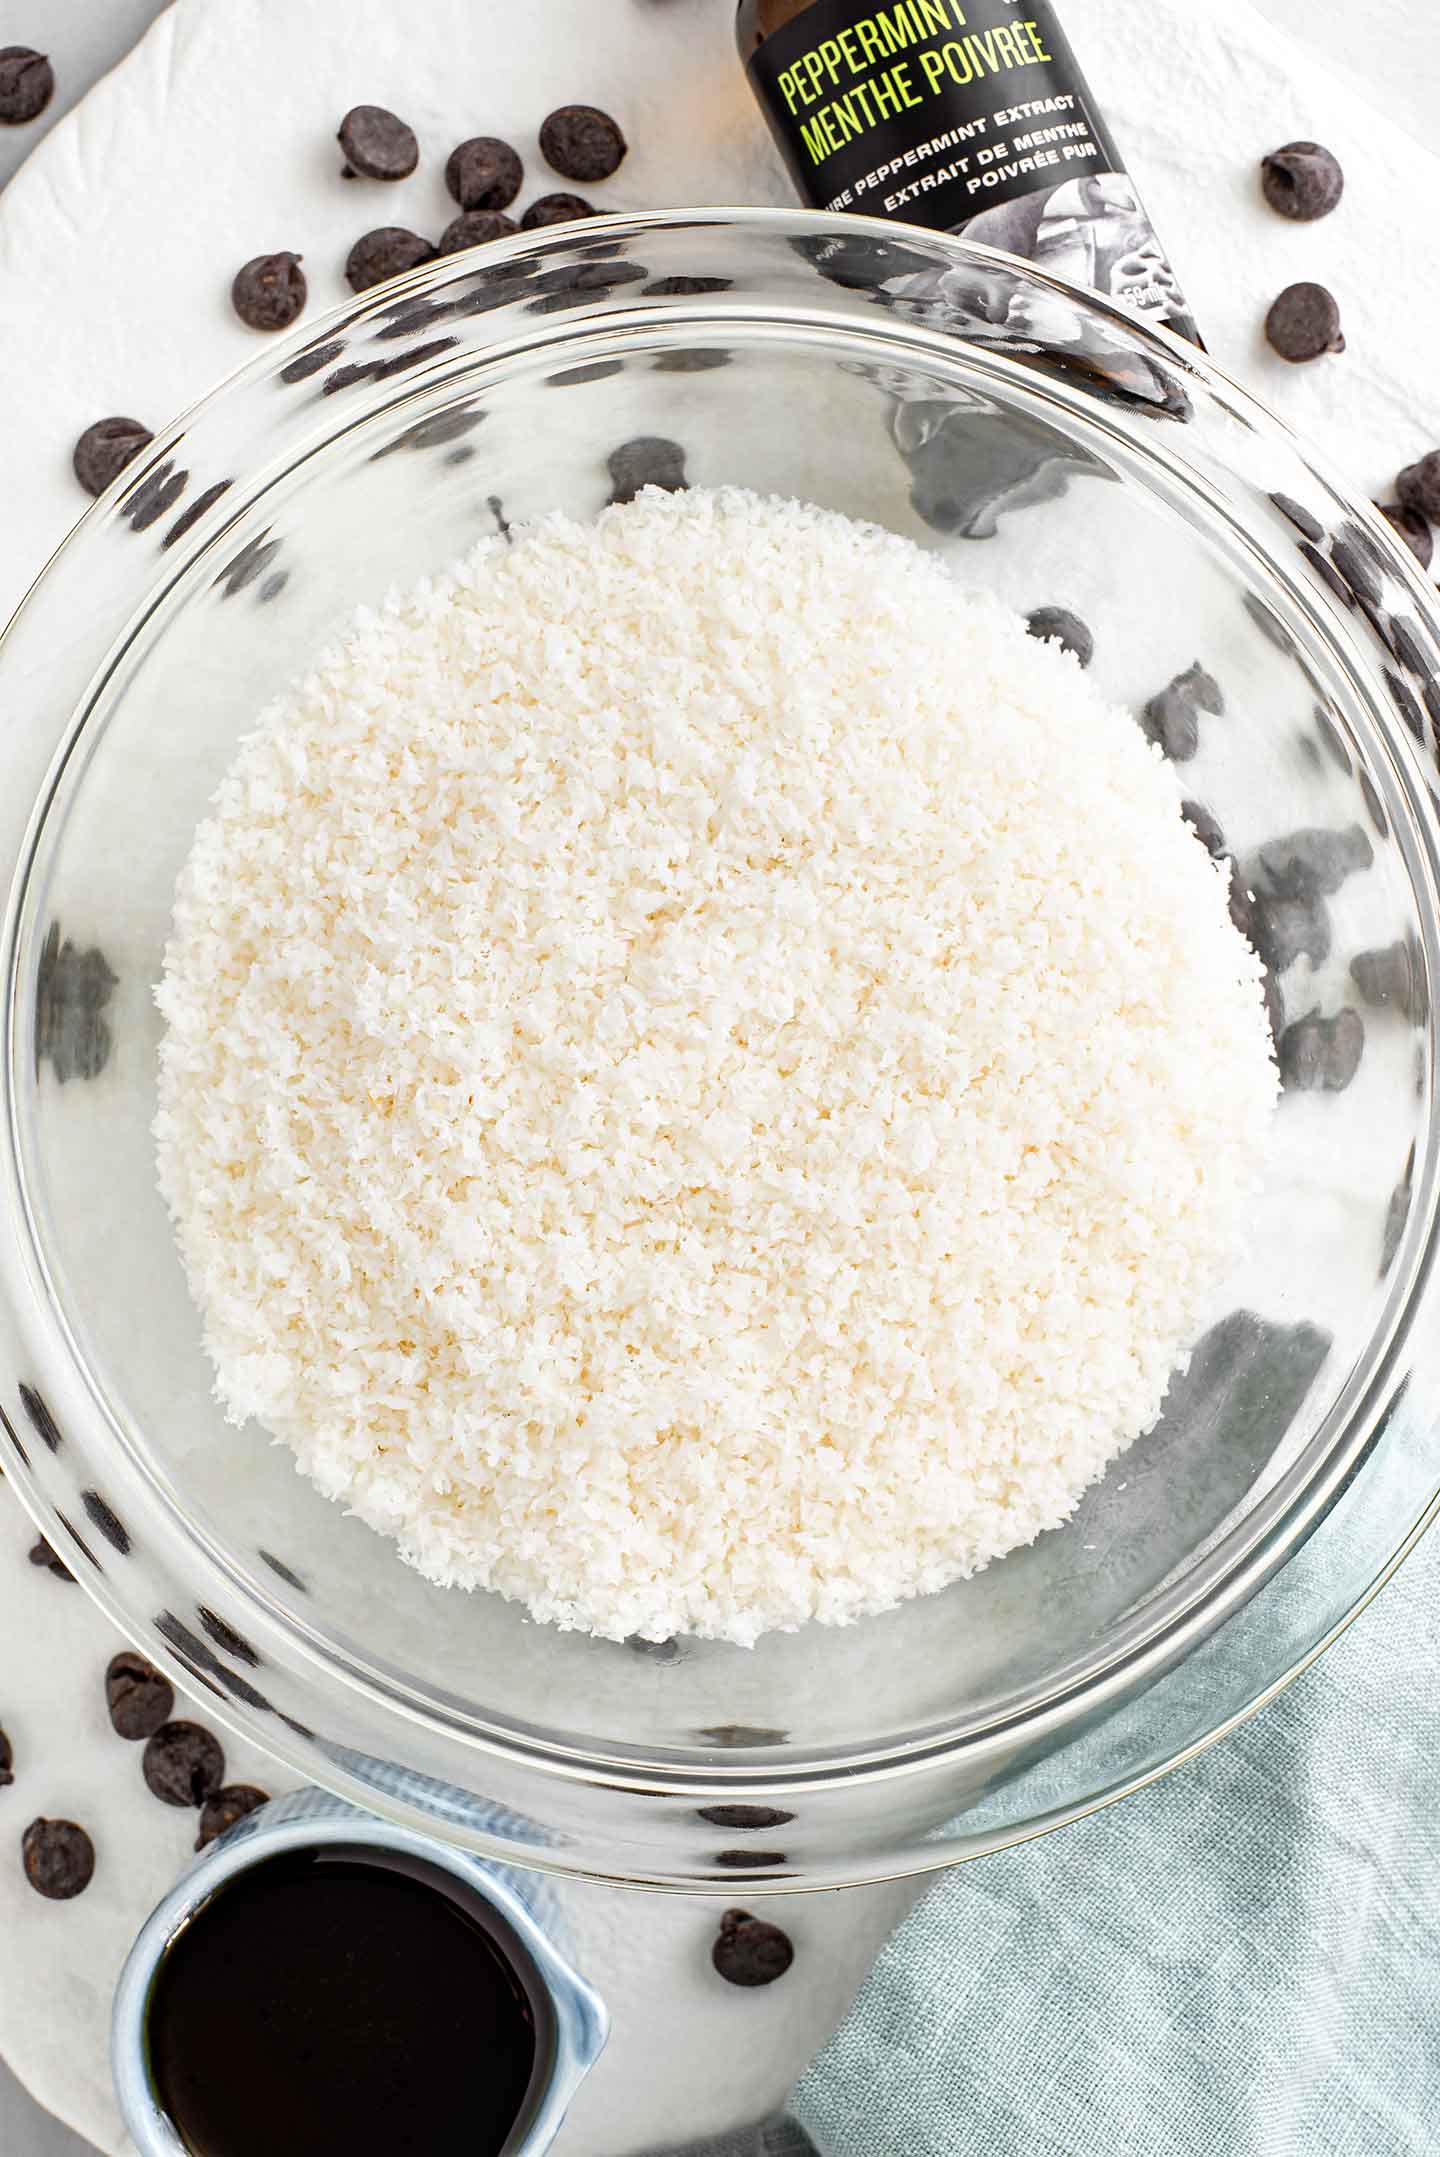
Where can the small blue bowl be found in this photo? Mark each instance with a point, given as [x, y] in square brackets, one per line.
[311, 1818]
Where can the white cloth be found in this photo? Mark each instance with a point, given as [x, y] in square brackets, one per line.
[213, 142]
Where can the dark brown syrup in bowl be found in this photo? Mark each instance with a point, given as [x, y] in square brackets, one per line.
[338, 2001]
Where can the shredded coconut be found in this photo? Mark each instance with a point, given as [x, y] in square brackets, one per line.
[706, 1082]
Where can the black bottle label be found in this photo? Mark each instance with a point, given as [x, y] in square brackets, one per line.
[968, 116]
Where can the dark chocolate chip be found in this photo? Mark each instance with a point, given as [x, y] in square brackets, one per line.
[104, 450]
[1318, 1054]
[555, 210]
[227, 1639]
[484, 173]
[386, 252]
[685, 288]
[1205, 828]
[653, 1651]
[40, 1417]
[582, 143]
[140, 1697]
[1304, 322]
[193, 512]
[475, 228]
[1418, 486]
[1299, 516]
[1328, 574]
[1309, 864]
[183, 1764]
[42, 1554]
[744, 1816]
[1171, 717]
[377, 144]
[1404, 696]
[649, 460]
[1414, 530]
[225, 1808]
[750, 1951]
[1057, 625]
[751, 1860]
[59, 1859]
[1385, 977]
[27, 84]
[307, 363]
[1281, 930]
[269, 291]
[7, 1762]
[1302, 181]
[103, 1516]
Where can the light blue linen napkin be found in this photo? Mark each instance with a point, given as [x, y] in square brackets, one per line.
[1241, 1961]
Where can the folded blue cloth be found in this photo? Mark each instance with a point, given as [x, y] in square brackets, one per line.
[1241, 1961]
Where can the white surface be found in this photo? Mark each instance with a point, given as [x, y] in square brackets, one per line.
[131, 218]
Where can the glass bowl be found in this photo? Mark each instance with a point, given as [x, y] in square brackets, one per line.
[1050, 449]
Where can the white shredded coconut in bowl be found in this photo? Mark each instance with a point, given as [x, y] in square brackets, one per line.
[706, 1082]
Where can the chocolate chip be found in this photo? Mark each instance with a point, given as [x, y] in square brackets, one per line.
[1385, 976]
[1309, 864]
[307, 363]
[475, 228]
[104, 450]
[388, 251]
[1318, 1054]
[653, 1651]
[484, 173]
[42, 1554]
[1411, 527]
[269, 291]
[555, 210]
[1171, 718]
[377, 144]
[1205, 828]
[1304, 322]
[686, 287]
[223, 1809]
[1057, 625]
[140, 1697]
[751, 1860]
[582, 143]
[1302, 181]
[649, 460]
[183, 1764]
[750, 1951]
[1299, 516]
[7, 1762]
[27, 84]
[1281, 930]
[1418, 486]
[744, 1816]
[59, 1859]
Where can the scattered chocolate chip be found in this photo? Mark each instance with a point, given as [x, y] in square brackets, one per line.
[1299, 516]
[7, 1762]
[1171, 718]
[1385, 976]
[377, 144]
[59, 1859]
[104, 450]
[307, 363]
[744, 1816]
[140, 1697]
[484, 173]
[1304, 322]
[1302, 181]
[1318, 1054]
[686, 287]
[42, 1554]
[555, 210]
[223, 1809]
[1057, 625]
[1418, 486]
[582, 143]
[41, 1420]
[1309, 864]
[193, 512]
[388, 251]
[649, 460]
[1412, 528]
[1205, 828]
[104, 1517]
[183, 1764]
[269, 291]
[475, 228]
[27, 84]
[750, 1951]
[1282, 930]
[1328, 573]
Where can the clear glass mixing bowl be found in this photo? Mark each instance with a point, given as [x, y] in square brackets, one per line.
[1050, 449]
